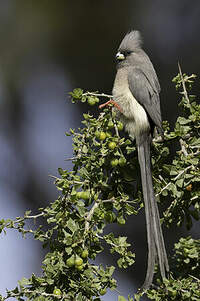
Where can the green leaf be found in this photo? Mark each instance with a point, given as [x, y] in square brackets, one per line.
[68, 250]
[173, 171]
[130, 209]
[24, 281]
[165, 192]
[195, 141]
[61, 171]
[71, 225]
[183, 120]
[77, 93]
[84, 149]
[180, 182]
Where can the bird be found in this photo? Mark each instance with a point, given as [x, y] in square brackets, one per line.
[136, 98]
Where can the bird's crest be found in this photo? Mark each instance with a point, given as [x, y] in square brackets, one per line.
[131, 41]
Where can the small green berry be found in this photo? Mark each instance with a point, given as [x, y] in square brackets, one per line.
[91, 101]
[57, 292]
[70, 261]
[79, 194]
[122, 161]
[112, 145]
[120, 125]
[84, 254]
[110, 124]
[114, 162]
[79, 267]
[78, 261]
[102, 136]
[85, 195]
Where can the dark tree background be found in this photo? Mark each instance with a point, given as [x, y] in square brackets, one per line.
[47, 48]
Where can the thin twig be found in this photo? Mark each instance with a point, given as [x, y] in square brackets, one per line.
[34, 216]
[54, 177]
[89, 216]
[110, 242]
[196, 153]
[194, 146]
[37, 292]
[108, 201]
[28, 217]
[176, 178]
[194, 197]
[162, 179]
[116, 130]
[72, 158]
[183, 148]
[183, 84]
[182, 172]
[97, 94]
[165, 187]
[194, 278]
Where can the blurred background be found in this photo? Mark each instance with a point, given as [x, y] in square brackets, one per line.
[48, 48]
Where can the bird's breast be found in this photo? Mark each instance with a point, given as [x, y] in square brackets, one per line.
[134, 115]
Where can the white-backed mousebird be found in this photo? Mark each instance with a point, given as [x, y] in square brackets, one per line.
[136, 96]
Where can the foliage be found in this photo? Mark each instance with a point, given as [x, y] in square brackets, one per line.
[184, 282]
[103, 188]
[178, 181]
[182, 174]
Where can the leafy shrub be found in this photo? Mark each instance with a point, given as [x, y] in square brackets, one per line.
[99, 191]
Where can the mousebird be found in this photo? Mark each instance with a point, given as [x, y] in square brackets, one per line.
[136, 97]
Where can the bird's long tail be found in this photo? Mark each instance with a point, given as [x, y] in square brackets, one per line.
[156, 246]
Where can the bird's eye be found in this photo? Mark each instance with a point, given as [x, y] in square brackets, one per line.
[127, 52]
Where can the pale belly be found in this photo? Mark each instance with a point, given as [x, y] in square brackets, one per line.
[134, 116]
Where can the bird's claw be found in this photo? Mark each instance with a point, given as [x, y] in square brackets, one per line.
[111, 101]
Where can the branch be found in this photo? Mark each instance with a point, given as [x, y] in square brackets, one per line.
[183, 148]
[165, 187]
[196, 153]
[35, 292]
[176, 178]
[72, 158]
[28, 217]
[194, 278]
[116, 129]
[91, 212]
[182, 172]
[109, 201]
[97, 94]
[110, 242]
[183, 84]
[89, 216]
[194, 146]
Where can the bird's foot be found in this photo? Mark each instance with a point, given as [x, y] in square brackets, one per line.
[111, 101]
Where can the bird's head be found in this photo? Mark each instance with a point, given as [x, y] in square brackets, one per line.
[129, 49]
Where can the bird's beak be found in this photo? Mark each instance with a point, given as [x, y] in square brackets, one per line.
[120, 56]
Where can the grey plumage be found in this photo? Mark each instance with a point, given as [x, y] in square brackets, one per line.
[136, 90]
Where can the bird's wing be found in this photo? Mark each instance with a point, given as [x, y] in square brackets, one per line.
[145, 94]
